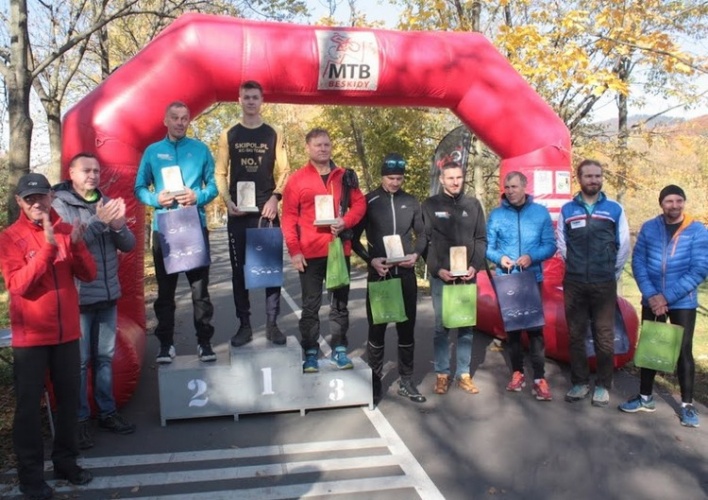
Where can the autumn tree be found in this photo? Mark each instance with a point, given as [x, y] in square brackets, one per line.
[577, 53]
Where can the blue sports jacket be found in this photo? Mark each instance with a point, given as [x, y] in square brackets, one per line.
[514, 233]
[674, 268]
[194, 160]
[594, 243]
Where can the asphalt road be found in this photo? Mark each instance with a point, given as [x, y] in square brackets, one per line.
[458, 446]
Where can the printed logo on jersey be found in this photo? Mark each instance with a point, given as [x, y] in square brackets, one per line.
[250, 154]
[442, 215]
[165, 156]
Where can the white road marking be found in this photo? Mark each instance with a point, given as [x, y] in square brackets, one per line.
[424, 485]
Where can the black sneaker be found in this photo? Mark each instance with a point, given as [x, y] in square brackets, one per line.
[408, 389]
[85, 438]
[274, 334]
[38, 491]
[74, 474]
[243, 336]
[165, 354]
[205, 352]
[116, 424]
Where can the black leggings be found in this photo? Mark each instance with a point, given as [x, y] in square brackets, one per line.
[686, 369]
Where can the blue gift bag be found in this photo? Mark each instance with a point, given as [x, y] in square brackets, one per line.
[264, 257]
[519, 301]
[182, 240]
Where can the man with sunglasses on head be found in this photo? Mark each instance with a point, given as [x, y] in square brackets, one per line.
[392, 211]
[41, 256]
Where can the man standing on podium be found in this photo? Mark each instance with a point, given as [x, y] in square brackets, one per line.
[308, 244]
[196, 165]
[251, 151]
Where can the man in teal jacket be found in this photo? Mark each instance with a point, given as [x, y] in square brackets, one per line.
[196, 165]
[520, 237]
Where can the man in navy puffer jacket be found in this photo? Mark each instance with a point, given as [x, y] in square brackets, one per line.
[669, 262]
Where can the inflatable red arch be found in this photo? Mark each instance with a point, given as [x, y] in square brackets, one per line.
[202, 59]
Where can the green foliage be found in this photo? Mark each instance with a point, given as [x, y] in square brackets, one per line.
[362, 136]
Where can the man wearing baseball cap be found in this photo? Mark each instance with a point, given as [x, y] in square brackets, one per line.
[40, 256]
[392, 211]
[669, 263]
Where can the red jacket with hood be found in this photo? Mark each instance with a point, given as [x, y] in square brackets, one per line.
[299, 231]
[44, 302]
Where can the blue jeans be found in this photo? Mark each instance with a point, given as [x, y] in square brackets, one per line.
[441, 344]
[98, 342]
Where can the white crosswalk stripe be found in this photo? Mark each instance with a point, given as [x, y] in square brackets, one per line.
[287, 477]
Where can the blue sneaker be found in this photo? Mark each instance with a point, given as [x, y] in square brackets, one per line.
[688, 416]
[600, 396]
[637, 403]
[577, 392]
[339, 358]
[311, 365]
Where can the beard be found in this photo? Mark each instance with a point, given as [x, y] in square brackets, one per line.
[591, 190]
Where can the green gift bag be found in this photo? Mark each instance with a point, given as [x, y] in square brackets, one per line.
[386, 300]
[459, 305]
[337, 272]
[659, 346]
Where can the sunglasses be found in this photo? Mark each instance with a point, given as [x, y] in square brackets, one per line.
[395, 164]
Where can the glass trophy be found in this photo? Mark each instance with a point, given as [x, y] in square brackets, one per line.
[246, 196]
[172, 180]
[394, 249]
[324, 210]
[458, 261]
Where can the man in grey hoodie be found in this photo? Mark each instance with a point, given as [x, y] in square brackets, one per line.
[105, 234]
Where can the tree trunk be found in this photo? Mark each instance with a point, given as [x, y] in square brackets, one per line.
[53, 111]
[361, 152]
[622, 135]
[18, 84]
[476, 16]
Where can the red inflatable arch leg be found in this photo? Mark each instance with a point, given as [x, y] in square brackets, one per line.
[202, 59]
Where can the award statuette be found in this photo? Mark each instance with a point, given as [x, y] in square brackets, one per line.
[324, 210]
[458, 261]
[172, 180]
[246, 196]
[394, 249]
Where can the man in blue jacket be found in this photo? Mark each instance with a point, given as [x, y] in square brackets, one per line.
[593, 238]
[669, 262]
[520, 237]
[196, 165]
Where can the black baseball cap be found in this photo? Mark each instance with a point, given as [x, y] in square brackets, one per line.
[32, 184]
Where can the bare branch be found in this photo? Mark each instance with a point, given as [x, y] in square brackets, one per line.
[666, 53]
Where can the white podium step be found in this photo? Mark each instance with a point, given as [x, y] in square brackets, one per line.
[259, 377]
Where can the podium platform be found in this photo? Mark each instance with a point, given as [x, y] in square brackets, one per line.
[259, 377]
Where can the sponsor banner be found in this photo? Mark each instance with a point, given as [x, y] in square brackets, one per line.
[348, 60]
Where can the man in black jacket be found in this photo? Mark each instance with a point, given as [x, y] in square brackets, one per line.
[392, 211]
[452, 219]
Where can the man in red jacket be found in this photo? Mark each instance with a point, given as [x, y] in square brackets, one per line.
[40, 256]
[308, 244]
